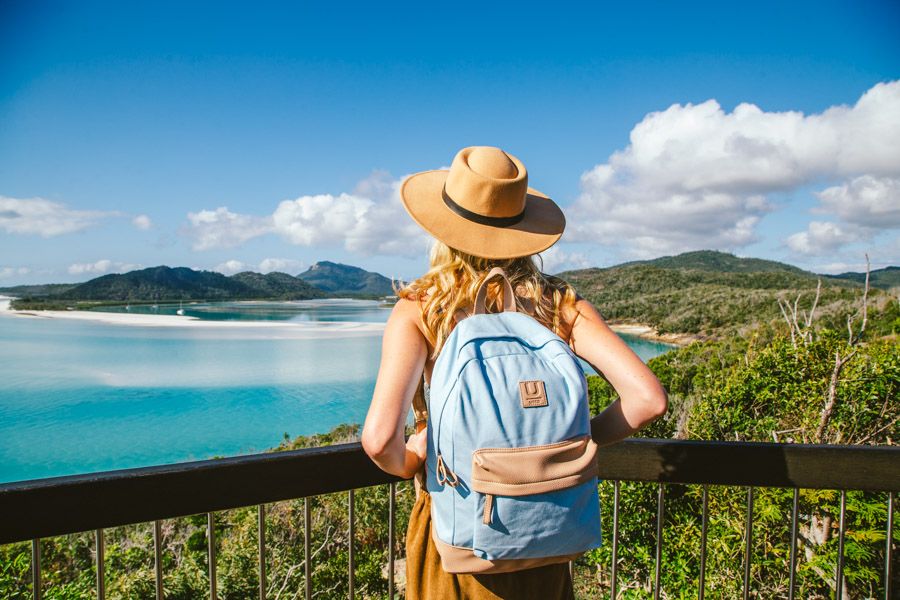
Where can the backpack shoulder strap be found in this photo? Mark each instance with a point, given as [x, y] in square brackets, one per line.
[420, 409]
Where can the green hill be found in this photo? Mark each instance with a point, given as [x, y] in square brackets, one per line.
[346, 280]
[39, 289]
[707, 293]
[722, 262]
[160, 283]
[885, 278]
[278, 285]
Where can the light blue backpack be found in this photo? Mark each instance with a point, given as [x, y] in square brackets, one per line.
[511, 466]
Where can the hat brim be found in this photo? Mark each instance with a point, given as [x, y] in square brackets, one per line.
[541, 225]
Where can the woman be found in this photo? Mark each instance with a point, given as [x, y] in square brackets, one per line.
[483, 215]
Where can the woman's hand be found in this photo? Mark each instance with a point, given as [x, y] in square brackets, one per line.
[417, 444]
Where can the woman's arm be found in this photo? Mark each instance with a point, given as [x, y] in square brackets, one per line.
[403, 353]
[642, 399]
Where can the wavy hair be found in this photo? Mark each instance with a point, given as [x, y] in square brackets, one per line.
[453, 280]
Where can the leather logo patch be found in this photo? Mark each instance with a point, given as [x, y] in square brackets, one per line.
[532, 394]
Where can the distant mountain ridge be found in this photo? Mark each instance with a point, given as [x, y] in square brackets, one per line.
[338, 280]
[713, 260]
[885, 278]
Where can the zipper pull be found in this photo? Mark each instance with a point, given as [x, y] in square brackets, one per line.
[488, 509]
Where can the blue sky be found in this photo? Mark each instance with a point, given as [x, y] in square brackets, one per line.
[269, 136]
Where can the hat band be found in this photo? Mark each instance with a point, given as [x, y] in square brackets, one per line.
[477, 218]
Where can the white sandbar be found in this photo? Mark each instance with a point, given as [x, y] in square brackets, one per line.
[276, 328]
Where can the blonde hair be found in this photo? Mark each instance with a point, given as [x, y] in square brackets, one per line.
[453, 280]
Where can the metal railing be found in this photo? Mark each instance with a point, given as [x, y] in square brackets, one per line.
[96, 501]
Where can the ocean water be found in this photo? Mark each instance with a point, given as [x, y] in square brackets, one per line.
[78, 396]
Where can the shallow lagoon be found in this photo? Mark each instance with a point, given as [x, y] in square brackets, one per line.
[80, 396]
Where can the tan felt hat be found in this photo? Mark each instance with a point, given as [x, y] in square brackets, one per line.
[483, 205]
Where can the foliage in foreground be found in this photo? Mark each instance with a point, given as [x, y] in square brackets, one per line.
[758, 387]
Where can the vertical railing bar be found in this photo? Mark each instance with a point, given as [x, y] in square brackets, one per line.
[157, 559]
[615, 543]
[839, 574]
[704, 526]
[211, 555]
[572, 572]
[794, 512]
[391, 534]
[36, 568]
[660, 508]
[262, 551]
[748, 540]
[307, 534]
[888, 549]
[351, 562]
[101, 564]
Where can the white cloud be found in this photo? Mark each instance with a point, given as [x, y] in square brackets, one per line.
[321, 219]
[10, 271]
[283, 265]
[866, 201]
[222, 228]
[370, 220]
[694, 176]
[267, 265]
[230, 267]
[822, 237]
[37, 216]
[142, 222]
[101, 266]
[555, 260]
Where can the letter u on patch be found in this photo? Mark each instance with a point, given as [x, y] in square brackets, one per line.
[532, 393]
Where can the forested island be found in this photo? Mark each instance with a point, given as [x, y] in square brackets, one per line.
[173, 284]
[779, 355]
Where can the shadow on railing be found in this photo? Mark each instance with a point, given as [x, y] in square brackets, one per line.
[92, 502]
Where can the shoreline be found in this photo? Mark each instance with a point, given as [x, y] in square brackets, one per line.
[649, 333]
[639, 330]
[304, 329]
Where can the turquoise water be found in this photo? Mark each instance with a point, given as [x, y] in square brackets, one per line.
[81, 396]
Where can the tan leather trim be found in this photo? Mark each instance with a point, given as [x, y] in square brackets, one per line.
[455, 559]
[534, 469]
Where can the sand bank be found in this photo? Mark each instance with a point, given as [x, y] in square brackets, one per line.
[649, 333]
[290, 329]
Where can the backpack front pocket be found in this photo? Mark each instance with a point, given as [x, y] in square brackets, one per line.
[536, 501]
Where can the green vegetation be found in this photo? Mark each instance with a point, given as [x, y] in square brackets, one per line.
[166, 284]
[885, 278]
[754, 378]
[712, 294]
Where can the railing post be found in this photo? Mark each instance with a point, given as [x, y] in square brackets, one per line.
[839, 573]
[351, 565]
[211, 555]
[660, 512]
[101, 569]
[262, 551]
[794, 513]
[888, 551]
[157, 559]
[391, 535]
[704, 526]
[307, 533]
[748, 540]
[615, 542]
[36, 568]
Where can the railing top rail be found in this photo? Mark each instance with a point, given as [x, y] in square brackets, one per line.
[60, 505]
